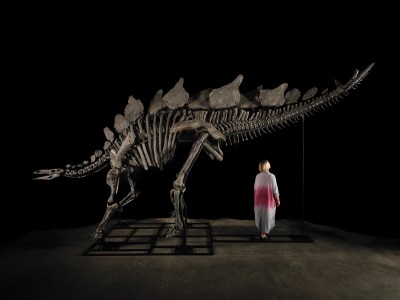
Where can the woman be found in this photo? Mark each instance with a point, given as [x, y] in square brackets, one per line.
[266, 199]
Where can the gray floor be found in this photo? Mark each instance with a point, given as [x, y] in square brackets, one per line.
[337, 265]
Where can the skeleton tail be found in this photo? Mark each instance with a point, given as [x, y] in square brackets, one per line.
[252, 123]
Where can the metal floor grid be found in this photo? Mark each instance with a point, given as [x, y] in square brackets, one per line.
[128, 238]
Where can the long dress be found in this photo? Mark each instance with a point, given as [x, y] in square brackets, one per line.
[265, 188]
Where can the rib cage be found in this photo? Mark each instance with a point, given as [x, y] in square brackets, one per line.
[155, 145]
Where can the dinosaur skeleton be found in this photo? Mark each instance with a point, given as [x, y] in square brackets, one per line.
[207, 120]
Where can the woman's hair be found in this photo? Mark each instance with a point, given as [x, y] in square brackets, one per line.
[262, 165]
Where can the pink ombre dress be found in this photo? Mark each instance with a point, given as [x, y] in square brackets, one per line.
[265, 188]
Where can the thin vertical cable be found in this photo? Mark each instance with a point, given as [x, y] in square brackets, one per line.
[302, 178]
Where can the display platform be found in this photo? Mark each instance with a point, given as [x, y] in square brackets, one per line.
[132, 238]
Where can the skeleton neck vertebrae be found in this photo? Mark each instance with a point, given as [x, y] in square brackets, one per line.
[210, 119]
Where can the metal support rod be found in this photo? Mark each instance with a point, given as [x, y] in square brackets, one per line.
[302, 177]
[184, 226]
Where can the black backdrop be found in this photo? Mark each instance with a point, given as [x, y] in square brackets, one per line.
[81, 76]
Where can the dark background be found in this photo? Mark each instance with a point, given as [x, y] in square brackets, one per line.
[81, 70]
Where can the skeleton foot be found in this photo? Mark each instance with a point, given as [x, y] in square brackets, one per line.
[171, 232]
[98, 234]
[111, 209]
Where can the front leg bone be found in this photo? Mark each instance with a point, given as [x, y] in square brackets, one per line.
[117, 167]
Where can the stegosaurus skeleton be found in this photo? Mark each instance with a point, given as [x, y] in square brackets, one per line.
[206, 119]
